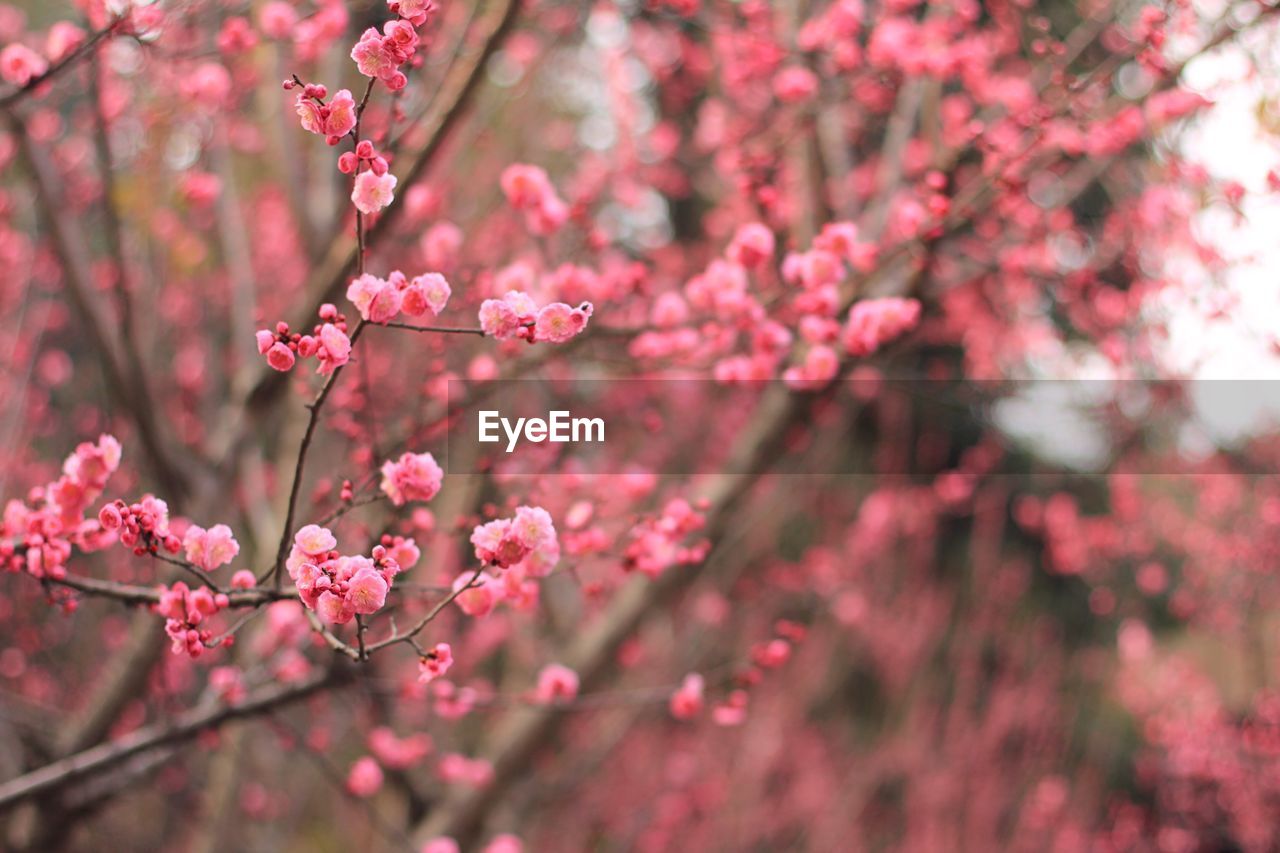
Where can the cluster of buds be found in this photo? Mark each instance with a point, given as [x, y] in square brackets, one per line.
[142, 526]
[186, 611]
[516, 315]
[328, 342]
[505, 542]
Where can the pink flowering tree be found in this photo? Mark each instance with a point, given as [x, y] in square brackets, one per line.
[258, 259]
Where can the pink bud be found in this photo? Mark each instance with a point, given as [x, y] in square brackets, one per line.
[347, 163]
[280, 357]
[365, 150]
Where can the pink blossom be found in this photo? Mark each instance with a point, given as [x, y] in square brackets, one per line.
[277, 19]
[505, 843]
[372, 191]
[413, 11]
[366, 592]
[481, 596]
[396, 753]
[875, 322]
[435, 663]
[20, 64]
[686, 702]
[752, 245]
[426, 292]
[64, 37]
[556, 682]
[377, 300]
[795, 84]
[210, 548]
[332, 120]
[280, 357]
[365, 778]
[498, 319]
[412, 477]
[559, 322]
[334, 348]
[442, 844]
[525, 186]
[372, 56]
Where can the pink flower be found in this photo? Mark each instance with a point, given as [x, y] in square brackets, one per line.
[365, 778]
[63, 38]
[378, 300]
[498, 319]
[210, 548]
[752, 245]
[413, 11]
[398, 753]
[372, 191]
[820, 366]
[332, 120]
[556, 682]
[435, 662]
[686, 702]
[372, 56]
[427, 292]
[412, 477]
[280, 357]
[366, 591]
[19, 64]
[442, 844]
[533, 527]
[558, 322]
[314, 540]
[243, 579]
[334, 348]
[794, 85]
[505, 843]
[875, 322]
[277, 20]
[525, 186]
[482, 596]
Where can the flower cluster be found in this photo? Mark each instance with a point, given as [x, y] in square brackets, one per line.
[875, 322]
[328, 342]
[339, 587]
[143, 526]
[380, 300]
[380, 54]
[333, 120]
[657, 543]
[412, 477]
[36, 537]
[528, 189]
[185, 611]
[516, 315]
[505, 542]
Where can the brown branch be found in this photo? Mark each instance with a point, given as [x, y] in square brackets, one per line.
[59, 774]
[90, 44]
[71, 243]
